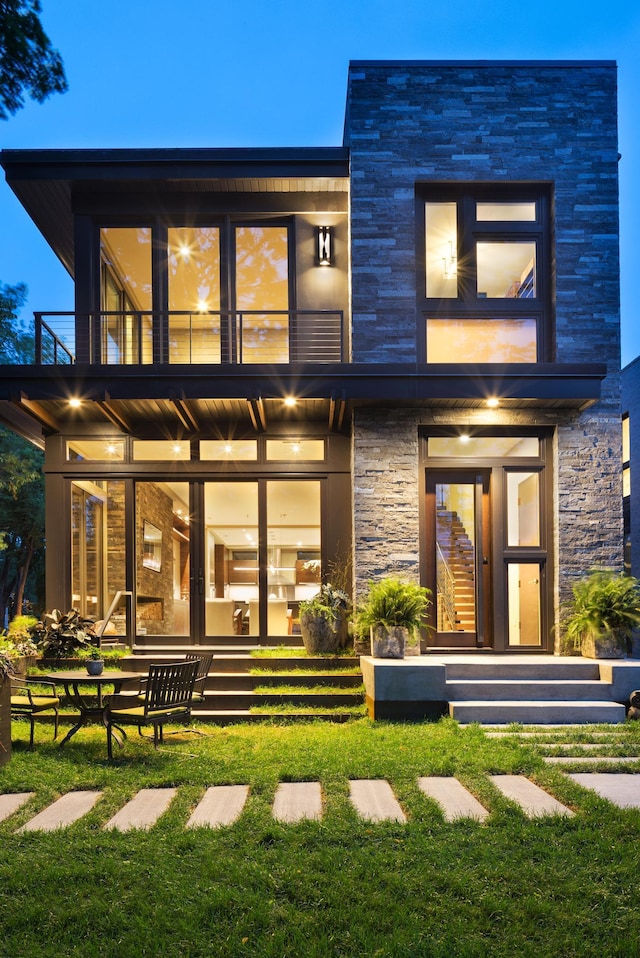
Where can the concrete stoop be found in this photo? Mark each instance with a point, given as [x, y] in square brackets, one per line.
[501, 689]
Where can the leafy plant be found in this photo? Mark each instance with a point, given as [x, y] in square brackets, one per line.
[603, 603]
[20, 634]
[7, 668]
[392, 602]
[62, 634]
[328, 603]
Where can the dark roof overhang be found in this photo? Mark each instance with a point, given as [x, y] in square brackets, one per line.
[48, 182]
[131, 396]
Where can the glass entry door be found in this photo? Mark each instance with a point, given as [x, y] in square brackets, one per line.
[458, 561]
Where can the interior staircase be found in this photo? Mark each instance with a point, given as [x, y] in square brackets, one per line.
[458, 554]
[498, 690]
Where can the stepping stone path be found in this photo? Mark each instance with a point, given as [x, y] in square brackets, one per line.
[623, 790]
[11, 803]
[454, 799]
[143, 810]
[373, 799]
[534, 801]
[295, 801]
[65, 811]
[220, 805]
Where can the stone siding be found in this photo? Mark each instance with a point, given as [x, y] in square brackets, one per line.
[413, 123]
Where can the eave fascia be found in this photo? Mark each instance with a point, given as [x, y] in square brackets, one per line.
[570, 384]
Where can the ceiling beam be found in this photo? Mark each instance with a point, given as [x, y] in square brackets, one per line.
[38, 411]
[108, 409]
[258, 414]
[185, 415]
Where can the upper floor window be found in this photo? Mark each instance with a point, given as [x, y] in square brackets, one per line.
[485, 296]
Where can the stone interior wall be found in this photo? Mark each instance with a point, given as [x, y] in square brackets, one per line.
[154, 589]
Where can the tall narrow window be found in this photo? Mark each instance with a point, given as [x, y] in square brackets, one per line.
[126, 303]
[262, 293]
[194, 295]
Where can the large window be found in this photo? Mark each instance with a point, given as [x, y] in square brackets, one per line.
[213, 293]
[486, 274]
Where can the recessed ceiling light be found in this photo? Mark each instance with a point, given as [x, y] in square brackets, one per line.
[464, 437]
[290, 401]
[75, 402]
[493, 402]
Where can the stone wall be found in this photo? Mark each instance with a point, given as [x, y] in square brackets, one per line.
[412, 123]
[631, 405]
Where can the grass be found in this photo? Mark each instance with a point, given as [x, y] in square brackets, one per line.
[337, 888]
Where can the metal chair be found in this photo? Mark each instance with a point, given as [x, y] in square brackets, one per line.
[168, 697]
[204, 660]
[27, 703]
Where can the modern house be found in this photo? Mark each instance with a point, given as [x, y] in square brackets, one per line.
[395, 356]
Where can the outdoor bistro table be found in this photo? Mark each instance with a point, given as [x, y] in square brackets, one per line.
[73, 682]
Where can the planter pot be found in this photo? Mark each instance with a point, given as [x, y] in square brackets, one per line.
[322, 636]
[605, 645]
[5, 720]
[95, 666]
[412, 643]
[388, 643]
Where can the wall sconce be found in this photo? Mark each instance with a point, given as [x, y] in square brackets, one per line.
[324, 246]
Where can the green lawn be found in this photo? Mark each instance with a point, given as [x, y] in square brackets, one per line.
[339, 887]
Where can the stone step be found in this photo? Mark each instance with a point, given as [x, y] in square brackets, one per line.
[144, 809]
[460, 690]
[295, 801]
[231, 699]
[453, 798]
[64, 812]
[373, 799]
[537, 712]
[220, 805]
[547, 668]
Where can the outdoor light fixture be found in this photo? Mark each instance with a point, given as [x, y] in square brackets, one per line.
[493, 402]
[324, 246]
[290, 401]
[74, 402]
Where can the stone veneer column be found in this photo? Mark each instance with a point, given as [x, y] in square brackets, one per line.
[428, 122]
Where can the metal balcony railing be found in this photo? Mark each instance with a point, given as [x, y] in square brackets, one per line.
[152, 338]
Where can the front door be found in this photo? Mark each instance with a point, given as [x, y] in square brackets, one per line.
[458, 557]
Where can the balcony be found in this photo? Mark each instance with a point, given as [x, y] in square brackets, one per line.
[183, 338]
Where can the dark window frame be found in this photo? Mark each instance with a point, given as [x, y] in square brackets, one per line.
[470, 230]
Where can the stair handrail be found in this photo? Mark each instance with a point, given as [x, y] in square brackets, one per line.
[445, 582]
[115, 602]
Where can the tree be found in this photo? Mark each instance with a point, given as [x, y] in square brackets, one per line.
[21, 477]
[28, 62]
[21, 522]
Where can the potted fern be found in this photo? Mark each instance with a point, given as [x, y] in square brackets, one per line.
[393, 613]
[604, 610]
[324, 621]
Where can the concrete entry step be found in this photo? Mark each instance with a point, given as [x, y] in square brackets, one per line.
[65, 811]
[537, 712]
[453, 798]
[143, 810]
[374, 800]
[532, 799]
[622, 790]
[547, 668]
[517, 690]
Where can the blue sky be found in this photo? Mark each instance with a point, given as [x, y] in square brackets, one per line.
[273, 73]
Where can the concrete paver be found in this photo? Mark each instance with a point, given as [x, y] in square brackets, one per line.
[374, 800]
[65, 811]
[11, 803]
[143, 810]
[220, 805]
[590, 759]
[454, 799]
[533, 800]
[622, 790]
[295, 801]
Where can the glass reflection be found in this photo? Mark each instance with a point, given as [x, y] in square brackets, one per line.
[506, 270]
[482, 340]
